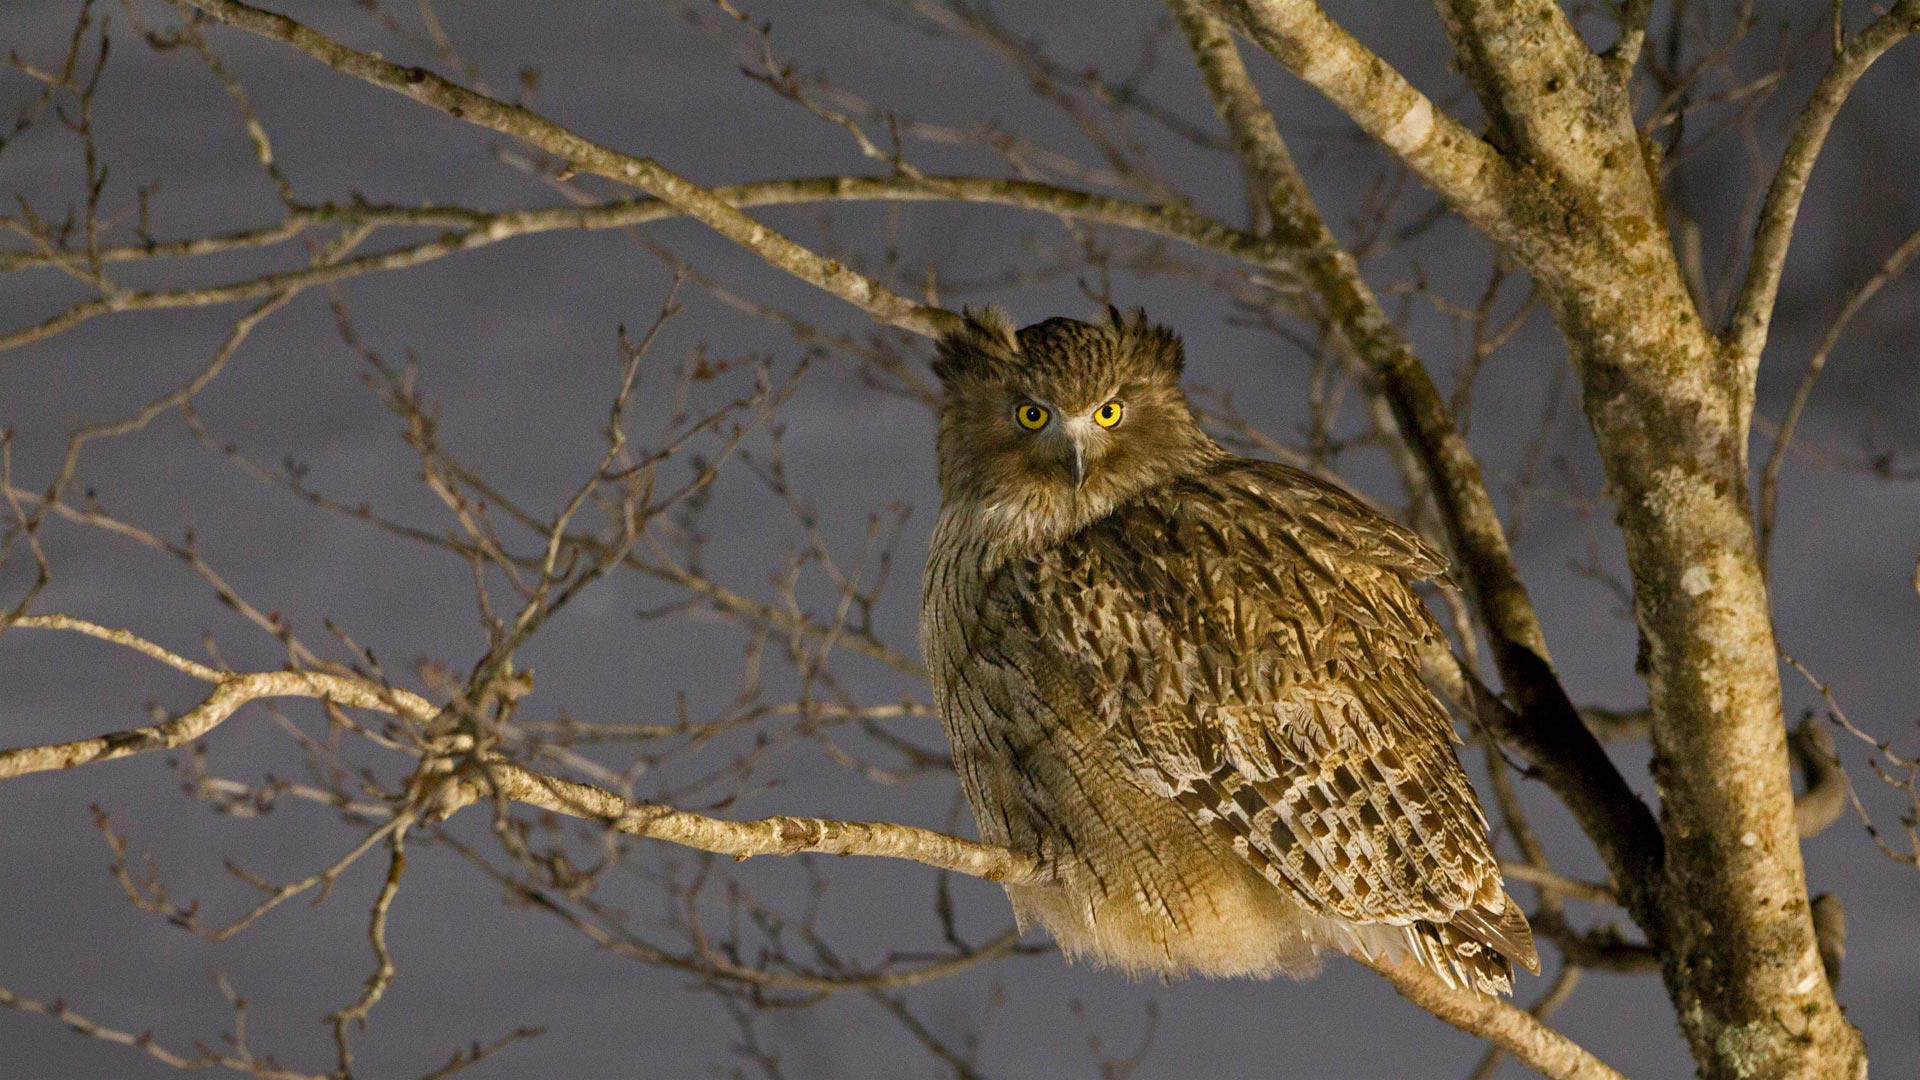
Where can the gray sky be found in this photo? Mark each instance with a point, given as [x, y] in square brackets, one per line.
[516, 346]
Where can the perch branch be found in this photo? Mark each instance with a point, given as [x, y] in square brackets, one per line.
[746, 839]
[1513, 1029]
[740, 839]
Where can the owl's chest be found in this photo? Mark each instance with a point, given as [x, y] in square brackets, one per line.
[952, 619]
[1001, 683]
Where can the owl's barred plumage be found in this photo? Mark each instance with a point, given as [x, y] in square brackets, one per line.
[1191, 681]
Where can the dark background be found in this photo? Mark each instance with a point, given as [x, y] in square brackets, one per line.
[517, 349]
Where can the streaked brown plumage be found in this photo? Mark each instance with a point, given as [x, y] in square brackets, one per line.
[1190, 680]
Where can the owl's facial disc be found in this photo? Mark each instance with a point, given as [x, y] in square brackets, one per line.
[1049, 428]
[1064, 440]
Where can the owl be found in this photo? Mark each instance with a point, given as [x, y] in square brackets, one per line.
[1190, 681]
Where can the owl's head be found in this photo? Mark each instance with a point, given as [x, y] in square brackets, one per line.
[1055, 424]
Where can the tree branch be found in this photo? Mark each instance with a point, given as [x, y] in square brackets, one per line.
[1896, 262]
[496, 776]
[236, 1058]
[1624, 55]
[1551, 104]
[477, 229]
[584, 155]
[230, 692]
[1499, 1022]
[1172, 222]
[746, 839]
[1467, 172]
[1745, 334]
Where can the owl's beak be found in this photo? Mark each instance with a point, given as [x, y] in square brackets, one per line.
[1076, 461]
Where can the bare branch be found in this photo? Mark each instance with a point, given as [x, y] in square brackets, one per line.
[1450, 159]
[1624, 54]
[344, 1019]
[1603, 948]
[1559, 884]
[240, 1059]
[1745, 334]
[1830, 925]
[767, 836]
[585, 155]
[1895, 263]
[741, 839]
[150, 895]
[1514, 1030]
[232, 693]
[1549, 1003]
[1554, 109]
[1172, 222]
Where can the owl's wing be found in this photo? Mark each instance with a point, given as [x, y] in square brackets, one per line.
[1248, 639]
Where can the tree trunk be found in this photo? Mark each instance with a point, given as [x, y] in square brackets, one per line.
[1669, 408]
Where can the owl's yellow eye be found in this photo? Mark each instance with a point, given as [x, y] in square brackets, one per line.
[1109, 414]
[1030, 416]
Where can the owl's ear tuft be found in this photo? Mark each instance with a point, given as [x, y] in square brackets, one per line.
[1153, 347]
[984, 339]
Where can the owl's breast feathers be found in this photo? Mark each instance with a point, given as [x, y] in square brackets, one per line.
[1245, 642]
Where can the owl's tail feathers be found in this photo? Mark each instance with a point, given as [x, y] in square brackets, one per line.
[1477, 948]
[1506, 933]
[1500, 937]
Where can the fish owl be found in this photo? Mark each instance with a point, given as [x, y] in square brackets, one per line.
[1190, 681]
